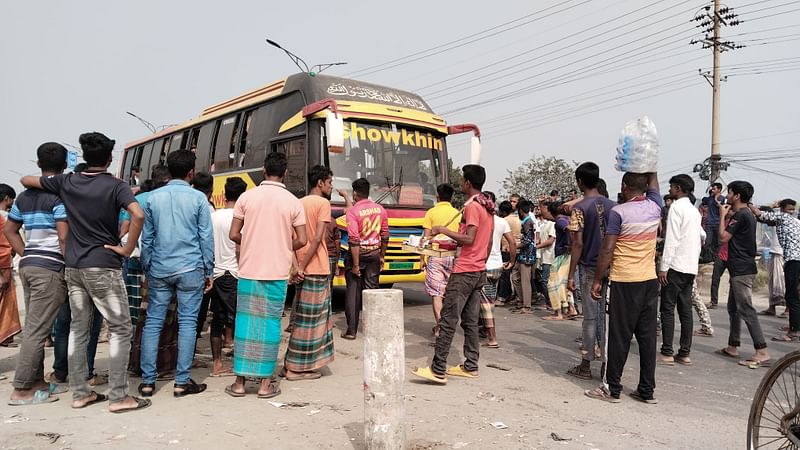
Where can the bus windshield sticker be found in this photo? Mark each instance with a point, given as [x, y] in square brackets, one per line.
[401, 136]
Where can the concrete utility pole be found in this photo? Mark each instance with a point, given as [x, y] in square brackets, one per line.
[384, 369]
[711, 23]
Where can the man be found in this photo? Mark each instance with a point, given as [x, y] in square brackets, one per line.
[178, 260]
[526, 257]
[514, 199]
[515, 298]
[93, 259]
[265, 260]
[495, 265]
[310, 346]
[438, 270]
[713, 214]
[41, 271]
[588, 219]
[787, 227]
[629, 249]
[504, 291]
[368, 236]
[9, 314]
[560, 297]
[226, 275]
[678, 269]
[462, 297]
[134, 181]
[554, 197]
[775, 265]
[204, 182]
[740, 235]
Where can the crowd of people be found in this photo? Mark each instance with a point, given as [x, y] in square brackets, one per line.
[150, 260]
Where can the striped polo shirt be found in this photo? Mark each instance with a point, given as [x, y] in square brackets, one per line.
[38, 211]
[635, 223]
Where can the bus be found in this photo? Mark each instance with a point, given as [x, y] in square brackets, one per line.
[388, 136]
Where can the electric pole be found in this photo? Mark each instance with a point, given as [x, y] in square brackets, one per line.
[711, 23]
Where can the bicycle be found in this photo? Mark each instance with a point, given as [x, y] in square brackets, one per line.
[774, 420]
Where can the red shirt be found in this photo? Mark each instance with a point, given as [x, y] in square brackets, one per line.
[473, 257]
[367, 223]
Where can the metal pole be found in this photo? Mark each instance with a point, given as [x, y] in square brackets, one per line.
[715, 108]
[384, 369]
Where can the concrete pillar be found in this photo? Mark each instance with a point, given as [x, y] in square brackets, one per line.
[384, 369]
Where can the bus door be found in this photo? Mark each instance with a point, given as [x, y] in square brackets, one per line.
[295, 149]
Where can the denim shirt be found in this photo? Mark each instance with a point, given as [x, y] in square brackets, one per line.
[177, 236]
[527, 247]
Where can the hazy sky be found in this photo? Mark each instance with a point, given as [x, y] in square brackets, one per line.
[559, 78]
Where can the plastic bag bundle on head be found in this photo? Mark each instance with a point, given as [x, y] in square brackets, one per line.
[637, 149]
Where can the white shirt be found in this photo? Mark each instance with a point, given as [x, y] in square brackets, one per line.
[501, 227]
[771, 240]
[547, 230]
[224, 247]
[683, 241]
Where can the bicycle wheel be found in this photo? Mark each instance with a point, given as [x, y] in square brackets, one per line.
[774, 420]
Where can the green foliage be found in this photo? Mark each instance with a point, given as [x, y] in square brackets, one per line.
[455, 180]
[539, 175]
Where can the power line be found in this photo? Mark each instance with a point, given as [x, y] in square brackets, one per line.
[416, 56]
[751, 19]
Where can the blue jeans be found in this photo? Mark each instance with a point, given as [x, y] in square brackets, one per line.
[188, 288]
[61, 341]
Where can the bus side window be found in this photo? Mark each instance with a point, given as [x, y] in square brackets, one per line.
[193, 136]
[148, 160]
[203, 141]
[295, 151]
[164, 146]
[243, 142]
[176, 143]
[223, 143]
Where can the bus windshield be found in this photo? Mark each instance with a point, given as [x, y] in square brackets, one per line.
[402, 164]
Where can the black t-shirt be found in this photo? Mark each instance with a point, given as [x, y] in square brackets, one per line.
[742, 246]
[93, 201]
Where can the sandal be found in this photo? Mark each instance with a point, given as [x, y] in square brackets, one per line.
[229, 390]
[636, 395]
[304, 376]
[683, 360]
[427, 373]
[274, 391]
[703, 333]
[140, 404]
[97, 399]
[189, 388]
[146, 389]
[460, 371]
[601, 393]
[39, 398]
[488, 345]
[349, 337]
[786, 338]
[724, 352]
[755, 363]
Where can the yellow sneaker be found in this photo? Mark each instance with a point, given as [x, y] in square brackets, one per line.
[458, 371]
[427, 373]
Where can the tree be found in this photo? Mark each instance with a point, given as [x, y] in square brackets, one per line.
[455, 180]
[540, 175]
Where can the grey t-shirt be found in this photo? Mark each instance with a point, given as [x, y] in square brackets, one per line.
[93, 201]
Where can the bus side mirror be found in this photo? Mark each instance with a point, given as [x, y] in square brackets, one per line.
[334, 132]
[475, 150]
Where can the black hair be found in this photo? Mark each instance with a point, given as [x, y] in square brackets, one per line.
[717, 185]
[601, 187]
[588, 174]
[684, 182]
[786, 202]
[234, 188]
[475, 174]
[554, 208]
[147, 186]
[524, 206]
[743, 188]
[96, 148]
[160, 175]
[7, 191]
[668, 197]
[514, 195]
[203, 182]
[52, 157]
[135, 169]
[554, 192]
[361, 187]
[275, 164]
[180, 163]
[80, 167]
[635, 181]
[505, 208]
[491, 195]
[445, 192]
[318, 173]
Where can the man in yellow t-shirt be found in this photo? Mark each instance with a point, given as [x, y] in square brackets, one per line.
[438, 270]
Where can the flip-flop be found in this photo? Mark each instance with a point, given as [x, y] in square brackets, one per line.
[724, 352]
[39, 398]
[276, 392]
[98, 399]
[224, 373]
[55, 389]
[427, 373]
[754, 363]
[795, 339]
[665, 363]
[683, 362]
[487, 345]
[766, 313]
[575, 317]
[305, 376]
[141, 403]
[229, 390]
